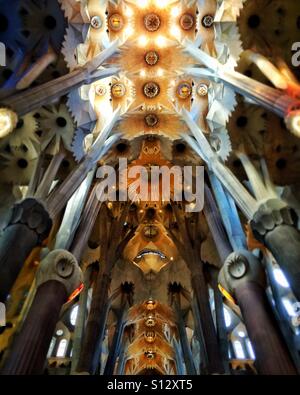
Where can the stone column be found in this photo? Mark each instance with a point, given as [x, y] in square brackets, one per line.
[113, 244]
[278, 101]
[29, 225]
[271, 220]
[85, 228]
[220, 320]
[50, 174]
[216, 226]
[274, 225]
[243, 277]
[59, 275]
[116, 343]
[214, 358]
[31, 99]
[224, 249]
[122, 355]
[91, 346]
[58, 199]
[81, 319]
[180, 368]
[281, 314]
[186, 349]
[203, 368]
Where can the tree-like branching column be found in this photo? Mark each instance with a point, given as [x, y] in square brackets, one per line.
[243, 277]
[29, 225]
[114, 238]
[59, 275]
[188, 242]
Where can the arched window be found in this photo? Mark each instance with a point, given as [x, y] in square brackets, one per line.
[51, 347]
[289, 306]
[280, 278]
[62, 348]
[59, 332]
[227, 318]
[250, 349]
[239, 350]
[73, 316]
[241, 334]
[229, 353]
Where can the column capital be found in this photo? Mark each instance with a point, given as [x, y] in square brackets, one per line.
[241, 267]
[61, 266]
[33, 214]
[270, 214]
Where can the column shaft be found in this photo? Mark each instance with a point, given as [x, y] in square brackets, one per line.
[81, 318]
[186, 349]
[220, 321]
[214, 360]
[29, 351]
[272, 357]
[216, 226]
[116, 343]
[94, 334]
[284, 244]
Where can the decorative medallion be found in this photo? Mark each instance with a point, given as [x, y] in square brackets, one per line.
[237, 265]
[100, 90]
[187, 21]
[152, 22]
[151, 304]
[116, 22]
[151, 58]
[150, 354]
[96, 22]
[207, 21]
[150, 337]
[151, 120]
[150, 321]
[184, 90]
[118, 90]
[151, 90]
[202, 90]
[64, 267]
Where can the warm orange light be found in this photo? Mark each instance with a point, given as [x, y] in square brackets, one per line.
[160, 73]
[293, 121]
[161, 3]
[226, 294]
[161, 41]
[142, 41]
[175, 11]
[76, 292]
[175, 31]
[128, 12]
[143, 73]
[142, 3]
[129, 31]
